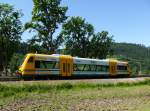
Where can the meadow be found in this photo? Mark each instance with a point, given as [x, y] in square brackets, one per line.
[65, 96]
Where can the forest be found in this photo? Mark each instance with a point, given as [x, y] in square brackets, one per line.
[136, 54]
[77, 38]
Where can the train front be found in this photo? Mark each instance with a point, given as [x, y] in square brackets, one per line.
[26, 66]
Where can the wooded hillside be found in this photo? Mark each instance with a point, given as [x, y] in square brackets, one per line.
[137, 55]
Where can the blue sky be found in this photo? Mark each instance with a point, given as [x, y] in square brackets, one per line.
[126, 20]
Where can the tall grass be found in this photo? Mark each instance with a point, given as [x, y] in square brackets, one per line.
[10, 90]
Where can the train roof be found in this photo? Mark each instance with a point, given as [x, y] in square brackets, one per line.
[78, 59]
[43, 55]
[97, 61]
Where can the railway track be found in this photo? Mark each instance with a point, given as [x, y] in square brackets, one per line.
[9, 78]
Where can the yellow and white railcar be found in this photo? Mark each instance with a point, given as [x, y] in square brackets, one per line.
[68, 66]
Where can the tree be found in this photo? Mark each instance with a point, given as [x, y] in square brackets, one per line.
[100, 45]
[76, 33]
[15, 61]
[10, 32]
[47, 15]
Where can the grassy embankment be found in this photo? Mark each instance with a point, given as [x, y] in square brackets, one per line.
[67, 96]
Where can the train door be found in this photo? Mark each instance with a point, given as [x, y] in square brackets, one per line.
[66, 66]
[113, 67]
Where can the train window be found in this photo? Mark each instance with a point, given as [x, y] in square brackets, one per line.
[37, 64]
[84, 67]
[57, 65]
[87, 67]
[122, 67]
[98, 68]
[79, 67]
[125, 67]
[75, 68]
[102, 68]
[43, 65]
[118, 67]
[46, 64]
[30, 60]
[106, 68]
[93, 67]
[50, 64]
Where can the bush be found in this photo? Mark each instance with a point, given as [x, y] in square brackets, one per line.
[15, 61]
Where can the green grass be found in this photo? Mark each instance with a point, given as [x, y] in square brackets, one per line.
[79, 96]
[9, 90]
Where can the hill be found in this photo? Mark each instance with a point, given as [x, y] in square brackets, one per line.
[138, 56]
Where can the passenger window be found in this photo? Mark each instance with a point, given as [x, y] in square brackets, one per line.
[122, 68]
[75, 68]
[43, 65]
[78, 67]
[107, 68]
[125, 67]
[98, 68]
[87, 68]
[50, 64]
[93, 67]
[84, 67]
[103, 68]
[57, 65]
[47, 64]
[37, 64]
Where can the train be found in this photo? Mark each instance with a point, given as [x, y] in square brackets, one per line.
[57, 65]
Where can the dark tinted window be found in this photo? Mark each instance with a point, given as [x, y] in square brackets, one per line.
[46, 64]
[102, 68]
[89, 67]
[78, 67]
[93, 67]
[122, 67]
[37, 64]
[30, 60]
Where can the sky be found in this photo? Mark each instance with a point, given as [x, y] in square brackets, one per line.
[127, 20]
